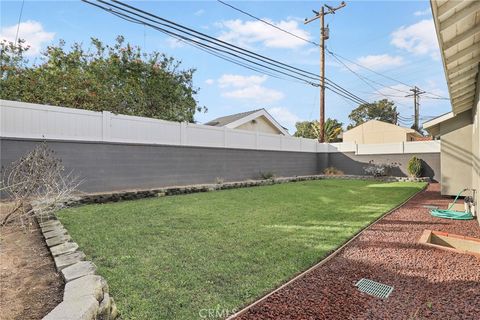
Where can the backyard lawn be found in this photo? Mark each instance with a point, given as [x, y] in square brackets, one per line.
[172, 257]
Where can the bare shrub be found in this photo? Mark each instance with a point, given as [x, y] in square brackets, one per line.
[266, 175]
[380, 169]
[332, 171]
[37, 182]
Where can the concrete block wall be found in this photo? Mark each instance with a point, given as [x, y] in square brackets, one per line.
[107, 166]
[350, 163]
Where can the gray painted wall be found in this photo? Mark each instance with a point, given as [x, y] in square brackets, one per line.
[120, 166]
[350, 163]
[111, 166]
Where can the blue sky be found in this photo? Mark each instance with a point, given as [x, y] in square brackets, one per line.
[395, 38]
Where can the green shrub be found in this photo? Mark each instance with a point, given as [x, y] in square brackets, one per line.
[332, 171]
[267, 175]
[415, 167]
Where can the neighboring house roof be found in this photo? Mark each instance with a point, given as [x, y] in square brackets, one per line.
[447, 122]
[235, 120]
[223, 121]
[407, 130]
[458, 27]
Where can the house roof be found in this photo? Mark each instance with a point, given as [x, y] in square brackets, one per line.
[407, 130]
[448, 122]
[223, 121]
[458, 31]
[435, 121]
[235, 120]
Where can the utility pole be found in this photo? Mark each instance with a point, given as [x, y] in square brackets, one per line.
[324, 35]
[416, 104]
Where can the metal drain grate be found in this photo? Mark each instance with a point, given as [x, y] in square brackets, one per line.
[373, 288]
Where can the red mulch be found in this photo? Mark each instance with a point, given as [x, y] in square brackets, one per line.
[428, 283]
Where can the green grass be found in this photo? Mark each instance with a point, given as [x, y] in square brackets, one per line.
[168, 258]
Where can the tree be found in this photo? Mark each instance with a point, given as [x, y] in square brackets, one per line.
[311, 129]
[118, 78]
[382, 110]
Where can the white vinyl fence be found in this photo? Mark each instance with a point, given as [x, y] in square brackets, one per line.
[34, 121]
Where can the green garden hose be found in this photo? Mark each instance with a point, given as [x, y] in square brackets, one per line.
[452, 214]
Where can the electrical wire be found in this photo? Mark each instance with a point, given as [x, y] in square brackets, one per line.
[364, 79]
[18, 24]
[268, 23]
[332, 86]
[265, 61]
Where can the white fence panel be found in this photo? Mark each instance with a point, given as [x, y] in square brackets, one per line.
[241, 139]
[291, 143]
[343, 147]
[28, 120]
[422, 147]
[309, 145]
[269, 142]
[139, 129]
[381, 148]
[205, 136]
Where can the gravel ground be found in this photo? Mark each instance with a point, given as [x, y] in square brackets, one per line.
[428, 283]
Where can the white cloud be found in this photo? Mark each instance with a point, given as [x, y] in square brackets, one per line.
[248, 88]
[381, 61]
[284, 116]
[238, 81]
[30, 31]
[248, 33]
[209, 81]
[419, 38]
[425, 12]
[199, 12]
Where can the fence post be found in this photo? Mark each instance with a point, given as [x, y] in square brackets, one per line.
[225, 137]
[106, 125]
[183, 133]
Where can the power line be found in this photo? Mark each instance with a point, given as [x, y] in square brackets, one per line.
[333, 54]
[268, 23]
[364, 79]
[266, 62]
[176, 35]
[18, 24]
[385, 76]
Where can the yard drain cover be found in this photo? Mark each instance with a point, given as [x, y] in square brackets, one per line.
[374, 288]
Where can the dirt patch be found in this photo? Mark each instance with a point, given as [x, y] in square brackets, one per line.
[428, 283]
[29, 285]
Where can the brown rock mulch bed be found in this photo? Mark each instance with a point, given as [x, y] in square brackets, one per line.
[29, 284]
[428, 283]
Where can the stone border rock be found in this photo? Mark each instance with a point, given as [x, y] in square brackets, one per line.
[86, 294]
[177, 190]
